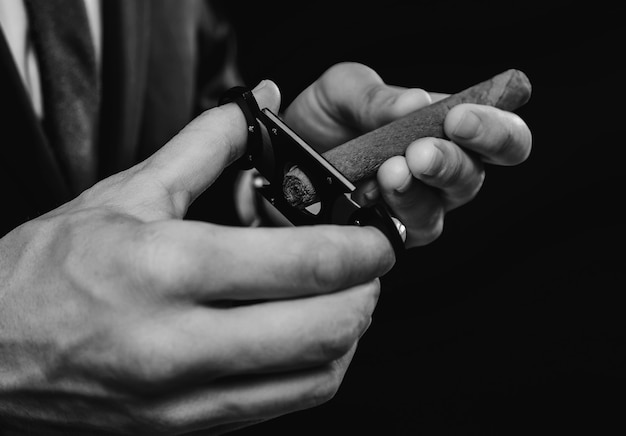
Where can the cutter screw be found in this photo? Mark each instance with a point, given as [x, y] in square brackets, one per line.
[357, 222]
[329, 180]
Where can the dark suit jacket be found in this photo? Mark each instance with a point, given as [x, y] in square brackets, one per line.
[162, 63]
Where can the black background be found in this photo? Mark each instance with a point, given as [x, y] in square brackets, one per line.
[513, 321]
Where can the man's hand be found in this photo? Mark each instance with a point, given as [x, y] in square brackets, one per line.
[435, 175]
[116, 315]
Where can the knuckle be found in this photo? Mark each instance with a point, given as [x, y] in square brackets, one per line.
[341, 338]
[224, 144]
[142, 363]
[328, 385]
[149, 242]
[328, 268]
[149, 374]
[162, 262]
[356, 318]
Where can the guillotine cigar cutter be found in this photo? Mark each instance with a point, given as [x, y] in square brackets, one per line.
[276, 149]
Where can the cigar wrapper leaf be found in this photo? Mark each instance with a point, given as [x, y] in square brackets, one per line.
[360, 158]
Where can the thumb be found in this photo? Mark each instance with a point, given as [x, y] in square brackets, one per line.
[191, 161]
[348, 100]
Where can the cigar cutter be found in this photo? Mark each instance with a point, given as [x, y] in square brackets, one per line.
[274, 149]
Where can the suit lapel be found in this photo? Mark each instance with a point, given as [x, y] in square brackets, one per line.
[25, 154]
[26, 159]
[126, 34]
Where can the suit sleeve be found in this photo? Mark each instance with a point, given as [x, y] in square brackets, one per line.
[217, 43]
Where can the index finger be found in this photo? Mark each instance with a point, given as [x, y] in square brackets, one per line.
[192, 160]
[206, 262]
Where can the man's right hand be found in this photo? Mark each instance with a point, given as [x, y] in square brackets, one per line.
[118, 316]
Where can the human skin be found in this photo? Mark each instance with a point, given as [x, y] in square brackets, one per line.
[435, 175]
[117, 316]
[359, 158]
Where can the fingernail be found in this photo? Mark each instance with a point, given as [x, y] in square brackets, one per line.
[260, 85]
[432, 161]
[405, 185]
[468, 127]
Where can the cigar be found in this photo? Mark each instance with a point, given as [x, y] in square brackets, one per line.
[359, 158]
